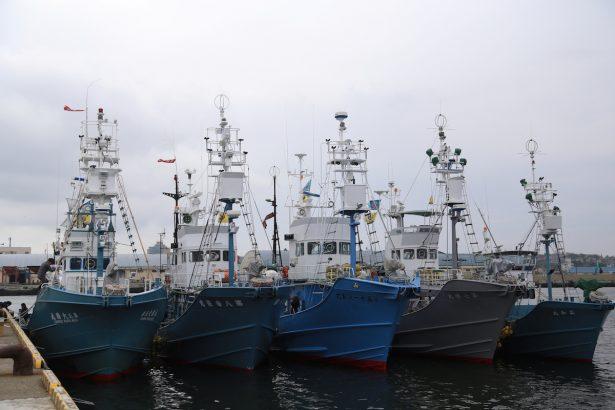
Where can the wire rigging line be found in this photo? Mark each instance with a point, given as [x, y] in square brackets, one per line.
[419, 172]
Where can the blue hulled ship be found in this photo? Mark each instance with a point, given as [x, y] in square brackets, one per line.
[556, 329]
[218, 314]
[567, 328]
[329, 313]
[96, 336]
[350, 322]
[85, 321]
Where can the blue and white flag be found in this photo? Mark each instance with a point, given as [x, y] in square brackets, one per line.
[374, 204]
[306, 189]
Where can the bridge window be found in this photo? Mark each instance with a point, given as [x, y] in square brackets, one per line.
[421, 254]
[105, 263]
[299, 249]
[329, 248]
[90, 264]
[313, 248]
[75, 263]
[197, 256]
[225, 256]
[408, 253]
[395, 254]
[213, 256]
[344, 248]
[183, 257]
[433, 254]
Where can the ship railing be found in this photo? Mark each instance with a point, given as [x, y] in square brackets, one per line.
[438, 277]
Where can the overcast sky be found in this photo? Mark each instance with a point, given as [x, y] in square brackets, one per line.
[500, 71]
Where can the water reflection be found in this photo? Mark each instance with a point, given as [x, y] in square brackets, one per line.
[409, 383]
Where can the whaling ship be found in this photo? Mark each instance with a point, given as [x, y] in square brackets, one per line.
[86, 322]
[545, 327]
[456, 318]
[218, 315]
[334, 315]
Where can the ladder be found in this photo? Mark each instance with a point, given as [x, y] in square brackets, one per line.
[246, 212]
[559, 247]
[377, 254]
[128, 217]
[468, 228]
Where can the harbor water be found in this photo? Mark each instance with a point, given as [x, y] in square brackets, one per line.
[408, 383]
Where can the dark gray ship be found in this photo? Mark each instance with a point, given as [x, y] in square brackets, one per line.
[455, 318]
[462, 320]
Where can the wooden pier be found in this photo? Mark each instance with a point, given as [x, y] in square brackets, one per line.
[25, 382]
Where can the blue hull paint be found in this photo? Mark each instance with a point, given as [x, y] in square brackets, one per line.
[556, 329]
[352, 322]
[82, 335]
[227, 326]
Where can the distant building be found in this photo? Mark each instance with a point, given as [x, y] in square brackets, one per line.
[15, 268]
[158, 248]
[15, 250]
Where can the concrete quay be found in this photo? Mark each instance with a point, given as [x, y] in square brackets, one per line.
[25, 382]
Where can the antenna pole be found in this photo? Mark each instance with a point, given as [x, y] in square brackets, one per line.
[176, 196]
[454, 219]
[87, 92]
[276, 237]
[547, 242]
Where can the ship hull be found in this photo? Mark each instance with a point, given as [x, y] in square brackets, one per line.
[352, 322]
[556, 330]
[229, 327]
[100, 337]
[463, 321]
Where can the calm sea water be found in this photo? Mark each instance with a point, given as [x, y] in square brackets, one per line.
[409, 383]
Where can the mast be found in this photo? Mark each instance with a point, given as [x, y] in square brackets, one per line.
[89, 234]
[276, 251]
[448, 165]
[348, 158]
[540, 195]
[177, 195]
[227, 159]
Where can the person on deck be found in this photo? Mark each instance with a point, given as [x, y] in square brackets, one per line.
[43, 269]
[24, 313]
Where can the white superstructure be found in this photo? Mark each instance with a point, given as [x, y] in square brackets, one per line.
[87, 248]
[414, 245]
[320, 245]
[203, 232]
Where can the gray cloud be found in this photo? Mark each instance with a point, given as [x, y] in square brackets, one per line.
[501, 72]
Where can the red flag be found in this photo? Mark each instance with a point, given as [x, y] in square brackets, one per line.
[67, 108]
[265, 220]
[167, 161]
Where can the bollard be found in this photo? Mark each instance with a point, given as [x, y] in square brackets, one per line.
[22, 359]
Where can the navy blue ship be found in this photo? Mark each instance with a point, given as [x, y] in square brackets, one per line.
[218, 314]
[557, 329]
[96, 336]
[86, 322]
[333, 315]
